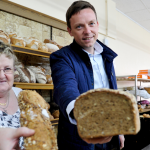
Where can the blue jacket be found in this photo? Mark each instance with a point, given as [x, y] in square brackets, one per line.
[72, 75]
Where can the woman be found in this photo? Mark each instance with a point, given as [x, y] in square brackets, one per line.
[9, 110]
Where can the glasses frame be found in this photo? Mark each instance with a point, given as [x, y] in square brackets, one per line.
[5, 71]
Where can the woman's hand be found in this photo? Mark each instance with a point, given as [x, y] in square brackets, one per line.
[9, 137]
[100, 140]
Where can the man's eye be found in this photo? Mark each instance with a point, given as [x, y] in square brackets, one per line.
[92, 23]
[78, 27]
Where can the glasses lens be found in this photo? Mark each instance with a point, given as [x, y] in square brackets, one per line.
[8, 70]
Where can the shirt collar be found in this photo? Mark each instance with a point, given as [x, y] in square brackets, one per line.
[98, 49]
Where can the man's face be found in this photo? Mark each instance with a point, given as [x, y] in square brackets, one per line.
[84, 28]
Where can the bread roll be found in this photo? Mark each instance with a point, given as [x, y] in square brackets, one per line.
[35, 115]
[105, 112]
[4, 37]
[18, 41]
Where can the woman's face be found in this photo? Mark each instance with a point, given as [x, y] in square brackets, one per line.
[6, 78]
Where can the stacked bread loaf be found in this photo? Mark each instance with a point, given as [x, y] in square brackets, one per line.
[35, 115]
[105, 112]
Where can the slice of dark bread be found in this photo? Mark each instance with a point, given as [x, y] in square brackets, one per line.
[105, 112]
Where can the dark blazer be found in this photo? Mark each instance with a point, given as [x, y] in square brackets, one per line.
[72, 75]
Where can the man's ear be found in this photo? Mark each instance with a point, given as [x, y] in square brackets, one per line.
[69, 31]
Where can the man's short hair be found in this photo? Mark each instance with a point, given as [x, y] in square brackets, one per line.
[76, 7]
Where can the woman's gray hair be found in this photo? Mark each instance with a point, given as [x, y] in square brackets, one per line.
[7, 51]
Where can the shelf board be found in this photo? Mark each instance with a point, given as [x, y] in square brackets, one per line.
[33, 86]
[55, 121]
[30, 51]
[142, 80]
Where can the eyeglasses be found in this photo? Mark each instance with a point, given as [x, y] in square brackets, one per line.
[7, 70]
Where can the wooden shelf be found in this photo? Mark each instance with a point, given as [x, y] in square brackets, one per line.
[33, 86]
[55, 121]
[142, 80]
[30, 51]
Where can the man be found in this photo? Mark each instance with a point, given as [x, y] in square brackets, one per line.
[83, 65]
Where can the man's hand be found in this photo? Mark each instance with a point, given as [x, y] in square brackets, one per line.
[9, 137]
[100, 140]
[122, 139]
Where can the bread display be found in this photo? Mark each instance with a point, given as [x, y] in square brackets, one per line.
[18, 41]
[39, 74]
[4, 37]
[35, 115]
[105, 112]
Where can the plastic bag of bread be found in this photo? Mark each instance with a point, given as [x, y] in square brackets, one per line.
[39, 74]
[105, 112]
[26, 75]
[35, 115]
[4, 37]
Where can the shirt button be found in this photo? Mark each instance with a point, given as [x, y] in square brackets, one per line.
[92, 84]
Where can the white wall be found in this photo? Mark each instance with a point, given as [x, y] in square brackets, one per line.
[129, 40]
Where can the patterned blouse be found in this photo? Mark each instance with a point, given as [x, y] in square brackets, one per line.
[12, 121]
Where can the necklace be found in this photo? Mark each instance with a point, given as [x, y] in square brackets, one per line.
[4, 109]
[2, 104]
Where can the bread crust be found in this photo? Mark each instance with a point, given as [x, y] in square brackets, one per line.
[89, 96]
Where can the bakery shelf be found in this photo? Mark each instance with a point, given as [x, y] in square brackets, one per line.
[55, 121]
[135, 79]
[30, 51]
[33, 86]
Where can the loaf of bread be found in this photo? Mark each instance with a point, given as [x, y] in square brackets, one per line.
[105, 112]
[39, 74]
[43, 47]
[18, 41]
[49, 79]
[55, 114]
[4, 37]
[35, 115]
